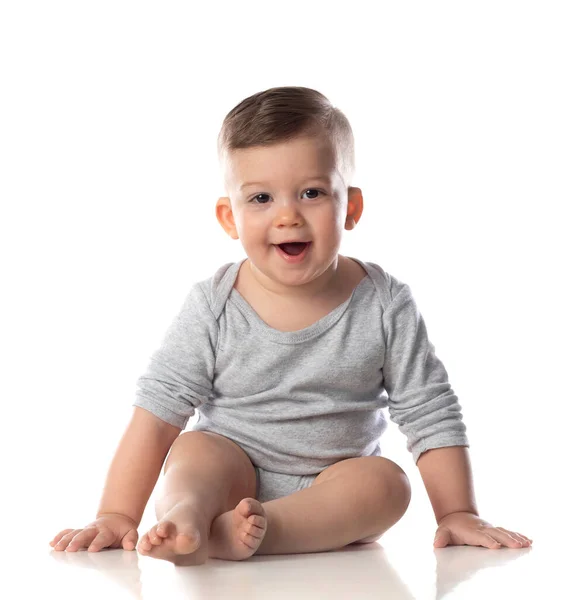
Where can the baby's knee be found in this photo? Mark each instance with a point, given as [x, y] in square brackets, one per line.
[397, 487]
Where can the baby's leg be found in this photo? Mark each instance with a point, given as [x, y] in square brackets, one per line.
[205, 475]
[353, 501]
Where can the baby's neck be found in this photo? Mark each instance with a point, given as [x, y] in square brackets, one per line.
[326, 286]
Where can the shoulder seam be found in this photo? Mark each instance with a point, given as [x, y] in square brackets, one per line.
[207, 299]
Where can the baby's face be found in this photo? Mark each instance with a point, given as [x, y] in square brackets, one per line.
[288, 192]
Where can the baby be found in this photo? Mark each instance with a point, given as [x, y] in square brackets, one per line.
[289, 357]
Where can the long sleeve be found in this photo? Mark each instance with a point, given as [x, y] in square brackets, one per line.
[180, 373]
[420, 399]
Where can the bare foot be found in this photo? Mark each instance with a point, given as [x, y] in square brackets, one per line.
[181, 536]
[237, 534]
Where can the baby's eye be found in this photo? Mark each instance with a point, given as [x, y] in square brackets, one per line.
[309, 190]
[258, 196]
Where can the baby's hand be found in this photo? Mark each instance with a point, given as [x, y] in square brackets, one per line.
[110, 530]
[467, 529]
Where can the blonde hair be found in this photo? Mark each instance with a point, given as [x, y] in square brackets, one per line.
[281, 114]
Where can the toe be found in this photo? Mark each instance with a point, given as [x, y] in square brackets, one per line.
[144, 544]
[257, 521]
[162, 529]
[254, 531]
[154, 538]
[245, 507]
[250, 506]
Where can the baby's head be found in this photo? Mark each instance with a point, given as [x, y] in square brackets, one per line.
[287, 161]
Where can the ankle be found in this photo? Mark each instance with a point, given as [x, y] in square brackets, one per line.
[198, 506]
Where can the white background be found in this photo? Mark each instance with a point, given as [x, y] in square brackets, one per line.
[467, 126]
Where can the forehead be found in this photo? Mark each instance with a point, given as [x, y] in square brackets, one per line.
[299, 158]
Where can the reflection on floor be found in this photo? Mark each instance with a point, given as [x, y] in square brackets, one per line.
[397, 567]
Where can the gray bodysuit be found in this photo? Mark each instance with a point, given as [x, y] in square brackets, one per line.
[299, 401]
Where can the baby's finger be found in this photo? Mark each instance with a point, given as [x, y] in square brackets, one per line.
[55, 540]
[515, 535]
[476, 537]
[505, 538]
[520, 535]
[64, 541]
[82, 539]
[129, 542]
[105, 538]
[520, 538]
[488, 541]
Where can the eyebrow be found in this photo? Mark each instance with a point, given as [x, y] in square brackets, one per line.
[315, 178]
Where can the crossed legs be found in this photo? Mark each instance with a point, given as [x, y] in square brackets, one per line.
[208, 505]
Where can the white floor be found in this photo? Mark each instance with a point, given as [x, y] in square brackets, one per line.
[402, 565]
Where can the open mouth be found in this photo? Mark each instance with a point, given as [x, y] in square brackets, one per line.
[294, 252]
[293, 248]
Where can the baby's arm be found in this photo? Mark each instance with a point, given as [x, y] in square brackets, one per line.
[130, 480]
[136, 465]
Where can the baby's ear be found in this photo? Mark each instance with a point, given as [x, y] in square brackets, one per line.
[225, 216]
[354, 207]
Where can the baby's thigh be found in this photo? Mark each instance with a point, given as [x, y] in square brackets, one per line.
[271, 486]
